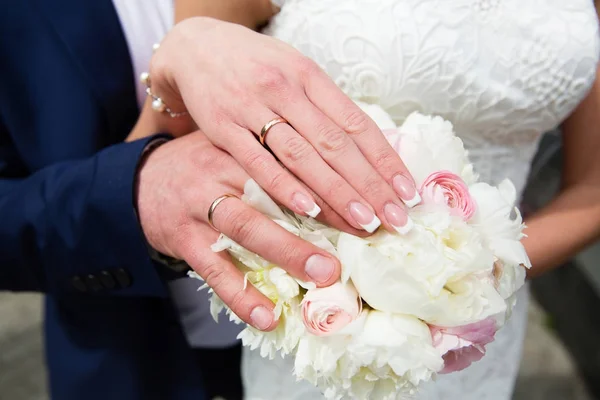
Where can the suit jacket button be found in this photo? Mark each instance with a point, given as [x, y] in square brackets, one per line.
[107, 280]
[122, 277]
[93, 283]
[78, 284]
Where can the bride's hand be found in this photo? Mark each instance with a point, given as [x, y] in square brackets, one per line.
[233, 81]
[178, 185]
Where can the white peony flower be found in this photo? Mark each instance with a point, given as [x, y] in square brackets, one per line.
[493, 221]
[380, 356]
[432, 273]
[502, 234]
[428, 144]
[378, 115]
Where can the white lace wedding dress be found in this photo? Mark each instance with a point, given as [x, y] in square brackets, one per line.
[503, 71]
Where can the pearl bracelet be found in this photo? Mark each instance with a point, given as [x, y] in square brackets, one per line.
[157, 103]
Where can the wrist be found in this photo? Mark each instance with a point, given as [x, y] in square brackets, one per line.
[152, 145]
[151, 122]
[174, 265]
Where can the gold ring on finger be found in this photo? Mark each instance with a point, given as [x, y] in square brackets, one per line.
[213, 206]
[267, 127]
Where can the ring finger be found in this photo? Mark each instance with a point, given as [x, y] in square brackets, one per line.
[301, 158]
[259, 234]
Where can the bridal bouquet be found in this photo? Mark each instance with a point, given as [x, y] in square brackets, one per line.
[409, 306]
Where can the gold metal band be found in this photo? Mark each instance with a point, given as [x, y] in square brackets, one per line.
[265, 129]
[213, 206]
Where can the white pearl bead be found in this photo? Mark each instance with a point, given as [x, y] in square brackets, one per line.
[155, 46]
[145, 78]
[158, 105]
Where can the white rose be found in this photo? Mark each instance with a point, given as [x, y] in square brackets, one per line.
[327, 310]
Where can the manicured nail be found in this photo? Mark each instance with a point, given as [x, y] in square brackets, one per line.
[398, 218]
[364, 217]
[306, 204]
[261, 317]
[406, 189]
[319, 268]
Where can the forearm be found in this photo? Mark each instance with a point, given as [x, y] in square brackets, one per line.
[563, 228]
[572, 220]
[250, 13]
[76, 219]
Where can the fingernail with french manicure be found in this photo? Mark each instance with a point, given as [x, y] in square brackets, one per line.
[398, 218]
[406, 189]
[319, 268]
[306, 204]
[261, 317]
[364, 217]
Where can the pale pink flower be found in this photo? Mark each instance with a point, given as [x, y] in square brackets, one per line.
[445, 187]
[329, 309]
[462, 345]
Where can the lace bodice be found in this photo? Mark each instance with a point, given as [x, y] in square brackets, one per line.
[503, 71]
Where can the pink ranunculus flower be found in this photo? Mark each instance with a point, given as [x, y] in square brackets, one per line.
[329, 309]
[445, 187]
[462, 345]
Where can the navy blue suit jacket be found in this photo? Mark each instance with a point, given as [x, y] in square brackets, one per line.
[67, 223]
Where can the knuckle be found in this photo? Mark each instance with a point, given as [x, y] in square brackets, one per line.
[245, 100]
[306, 67]
[257, 161]
[241, 226]
[277, 181]
[332, 139]
[272, 79]
[356, 121]
[335, 188]
[194, 194]
[384, 159]
[373, 187]
[214, 274]
[208, 160]
[238, 301]
[219, 117]
[296, 148]
[289, 252]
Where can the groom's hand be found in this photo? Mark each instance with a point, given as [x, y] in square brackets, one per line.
[233, 81]
[177, 184]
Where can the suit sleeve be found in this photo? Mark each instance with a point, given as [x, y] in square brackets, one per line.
[72, 227]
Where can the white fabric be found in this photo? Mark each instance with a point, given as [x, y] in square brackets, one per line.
[503, 71]
[144, 23]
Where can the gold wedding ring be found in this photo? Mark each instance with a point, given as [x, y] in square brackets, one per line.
[213, 206]
[265, 129]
